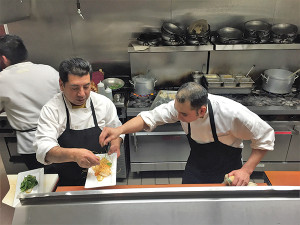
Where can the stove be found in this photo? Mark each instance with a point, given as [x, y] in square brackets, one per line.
[140, 101]
[264, 98]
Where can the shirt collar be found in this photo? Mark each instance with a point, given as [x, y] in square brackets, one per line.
[21, 64]
[70, 106]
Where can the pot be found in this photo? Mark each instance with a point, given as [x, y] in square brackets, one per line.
[278, 81]
[143, 85]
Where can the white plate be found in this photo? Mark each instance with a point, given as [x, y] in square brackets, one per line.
[91, 179]
[39, 175]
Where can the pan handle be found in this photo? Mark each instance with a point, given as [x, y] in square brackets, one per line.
[264, 77]
[131, 82]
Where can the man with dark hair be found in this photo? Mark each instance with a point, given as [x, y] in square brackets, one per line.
[71, 122]
[215, 126]
[24, 88]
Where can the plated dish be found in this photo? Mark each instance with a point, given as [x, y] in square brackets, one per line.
[38, 175]
[95, 177]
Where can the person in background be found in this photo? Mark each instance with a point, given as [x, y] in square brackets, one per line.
[215, 126]
[71, 122]
[24, 88]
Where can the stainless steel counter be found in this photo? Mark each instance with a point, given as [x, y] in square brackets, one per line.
[174, 205]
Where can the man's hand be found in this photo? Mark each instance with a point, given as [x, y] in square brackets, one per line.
[85, 158]
[114, 149]
[108, 134]
[241, 177]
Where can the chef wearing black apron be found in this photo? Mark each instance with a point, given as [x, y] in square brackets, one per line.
[70, 173]
[208, 163]
[220, 152]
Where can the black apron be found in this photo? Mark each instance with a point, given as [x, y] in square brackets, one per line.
[70, 173]
[208, 163]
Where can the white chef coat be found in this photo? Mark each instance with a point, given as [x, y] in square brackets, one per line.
[234, 123]
[24, 89]
[53, 120]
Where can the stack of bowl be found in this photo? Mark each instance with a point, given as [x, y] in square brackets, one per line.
[172, 34]
[198, 33]
[284, 33]
[149, 39]
[229, 35]
[257, 31]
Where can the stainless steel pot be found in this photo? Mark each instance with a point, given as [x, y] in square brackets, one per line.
[143, 85]
[278, 81]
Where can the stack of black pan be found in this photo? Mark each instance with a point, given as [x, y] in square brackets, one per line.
[198, 33]
[149, 39]
[284, 33]
[229, 35]
[257, 31]
[172, 34]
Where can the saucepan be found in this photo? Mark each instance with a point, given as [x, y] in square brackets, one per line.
[278, 81]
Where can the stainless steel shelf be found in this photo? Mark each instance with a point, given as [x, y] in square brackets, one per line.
[136, 48]
[239, 47]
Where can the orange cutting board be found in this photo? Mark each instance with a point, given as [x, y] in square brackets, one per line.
[283, 178]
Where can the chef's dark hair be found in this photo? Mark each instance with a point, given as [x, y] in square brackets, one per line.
[75, 66]
[13, 48]
[194, 93]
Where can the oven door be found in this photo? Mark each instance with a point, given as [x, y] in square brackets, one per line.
[165, 148]
[278, 159]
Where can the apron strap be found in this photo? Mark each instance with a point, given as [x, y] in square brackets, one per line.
[67, 111]
[212, 121]
[94, 114]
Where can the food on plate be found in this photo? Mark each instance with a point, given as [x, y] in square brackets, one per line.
[103, 169]
[28, 184]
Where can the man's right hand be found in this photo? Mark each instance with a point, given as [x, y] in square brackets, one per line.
[85, 158]
[108, 134]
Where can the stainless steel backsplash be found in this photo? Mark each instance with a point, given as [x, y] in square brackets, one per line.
[54, 31]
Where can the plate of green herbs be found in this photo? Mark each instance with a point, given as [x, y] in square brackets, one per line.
[29, 182]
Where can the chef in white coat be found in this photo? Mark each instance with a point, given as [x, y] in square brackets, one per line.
[24, 88]
[71, 122]
[215, 127]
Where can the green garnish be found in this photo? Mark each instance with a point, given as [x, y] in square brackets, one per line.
[109, 164]
[28, 183]
[115, 86]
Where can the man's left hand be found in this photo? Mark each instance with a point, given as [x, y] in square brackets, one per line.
[241, 177]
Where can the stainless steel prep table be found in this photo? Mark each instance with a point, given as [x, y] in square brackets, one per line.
[174, 205]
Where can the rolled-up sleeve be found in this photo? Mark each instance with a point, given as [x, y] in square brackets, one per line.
[249, 126]
[162, 114]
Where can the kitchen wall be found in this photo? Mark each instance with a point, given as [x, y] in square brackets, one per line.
[55, 31]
